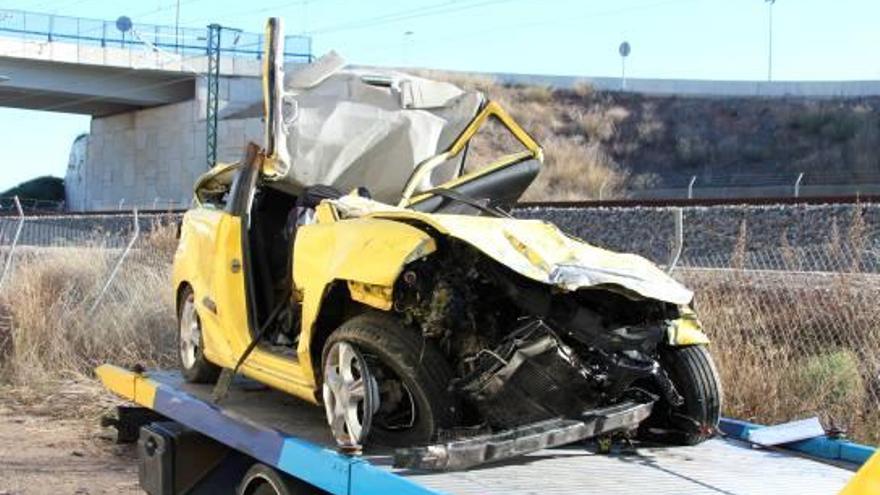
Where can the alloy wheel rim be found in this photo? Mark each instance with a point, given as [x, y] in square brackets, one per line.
[350, 394]
[190, 334]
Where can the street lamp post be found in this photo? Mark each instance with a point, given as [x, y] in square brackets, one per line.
[624, 49]
[770, 39]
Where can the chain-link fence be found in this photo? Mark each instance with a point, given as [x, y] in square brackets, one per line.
[796, 332]
[79, 291]
[795, 329]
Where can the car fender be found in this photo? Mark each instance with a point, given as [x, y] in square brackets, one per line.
[685, 330]
[368, 254]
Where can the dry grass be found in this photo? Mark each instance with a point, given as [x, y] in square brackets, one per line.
[790, 347]
[576, 171]
[576, 165]
[788, 344]
[52, 341]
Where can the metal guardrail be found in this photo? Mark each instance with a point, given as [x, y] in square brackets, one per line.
[40, 27]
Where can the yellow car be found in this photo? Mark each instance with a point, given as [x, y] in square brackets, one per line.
[440, 314]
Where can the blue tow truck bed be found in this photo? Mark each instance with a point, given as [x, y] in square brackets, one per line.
[292, 436]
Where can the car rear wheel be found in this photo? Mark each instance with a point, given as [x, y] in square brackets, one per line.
[193, 364]
[385, 384]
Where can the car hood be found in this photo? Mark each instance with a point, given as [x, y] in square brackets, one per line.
[538, 250]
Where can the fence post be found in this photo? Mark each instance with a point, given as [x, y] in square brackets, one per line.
[9, 256]
[797, 185]
[134, 238]
[679, 240]
[691, 187]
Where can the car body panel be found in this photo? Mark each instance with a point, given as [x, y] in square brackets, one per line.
[367, 254]
[538, 250]
[209, 243]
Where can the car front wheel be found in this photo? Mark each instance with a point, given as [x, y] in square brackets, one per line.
[385, 384]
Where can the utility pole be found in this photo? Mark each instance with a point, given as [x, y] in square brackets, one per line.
[213, 92]
[770, 40]
[624, 49]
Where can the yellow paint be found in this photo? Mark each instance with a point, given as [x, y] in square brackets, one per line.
[530, 247]
[217, 179]
[867, 480]
[493, 109]
[127, 384]
[366, 252]
[366, 255]
[378, 296]
[210, 241]
[325, 213]
[686, 330]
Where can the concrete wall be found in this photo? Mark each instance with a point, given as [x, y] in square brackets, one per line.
[693, 87]
[152, 157]
[686, 87]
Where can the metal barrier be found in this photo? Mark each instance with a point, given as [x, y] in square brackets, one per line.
[39, 27]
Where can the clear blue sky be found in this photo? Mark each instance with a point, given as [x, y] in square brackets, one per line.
[707, 39]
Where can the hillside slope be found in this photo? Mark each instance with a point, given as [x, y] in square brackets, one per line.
[631, 142]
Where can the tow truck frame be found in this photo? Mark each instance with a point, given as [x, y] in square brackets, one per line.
[259, 441]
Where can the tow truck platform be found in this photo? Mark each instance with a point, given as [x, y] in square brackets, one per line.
[254, 424]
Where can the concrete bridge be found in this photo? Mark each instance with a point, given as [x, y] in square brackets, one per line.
[145, 88]
[92, 67]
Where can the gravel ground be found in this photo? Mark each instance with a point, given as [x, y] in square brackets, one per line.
[712, 231]
[43, 455]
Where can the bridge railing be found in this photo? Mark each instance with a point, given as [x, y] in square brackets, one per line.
[47, 28]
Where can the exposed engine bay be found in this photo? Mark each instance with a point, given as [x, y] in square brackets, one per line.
[524, 352]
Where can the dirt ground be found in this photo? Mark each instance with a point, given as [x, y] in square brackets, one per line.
[40, 454]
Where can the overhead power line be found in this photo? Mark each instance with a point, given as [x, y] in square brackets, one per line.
[576, 20]
[447, 7]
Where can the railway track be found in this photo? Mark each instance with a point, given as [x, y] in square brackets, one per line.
[683, 202]
[615, 203]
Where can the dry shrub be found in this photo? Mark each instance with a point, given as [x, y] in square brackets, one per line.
[575, 171]
[469, 82]
[54, 337]
[583, 90]
[535, 94]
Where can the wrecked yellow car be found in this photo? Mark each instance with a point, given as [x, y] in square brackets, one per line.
[412, 307]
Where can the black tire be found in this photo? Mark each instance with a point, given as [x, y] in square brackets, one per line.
[416, 362]
[693, 372]
[260, 479]
[200, 370]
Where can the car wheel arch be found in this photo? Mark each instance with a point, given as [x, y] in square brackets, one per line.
[337, 306]
[178, 295]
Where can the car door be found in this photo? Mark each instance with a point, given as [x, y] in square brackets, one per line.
[233, 289]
